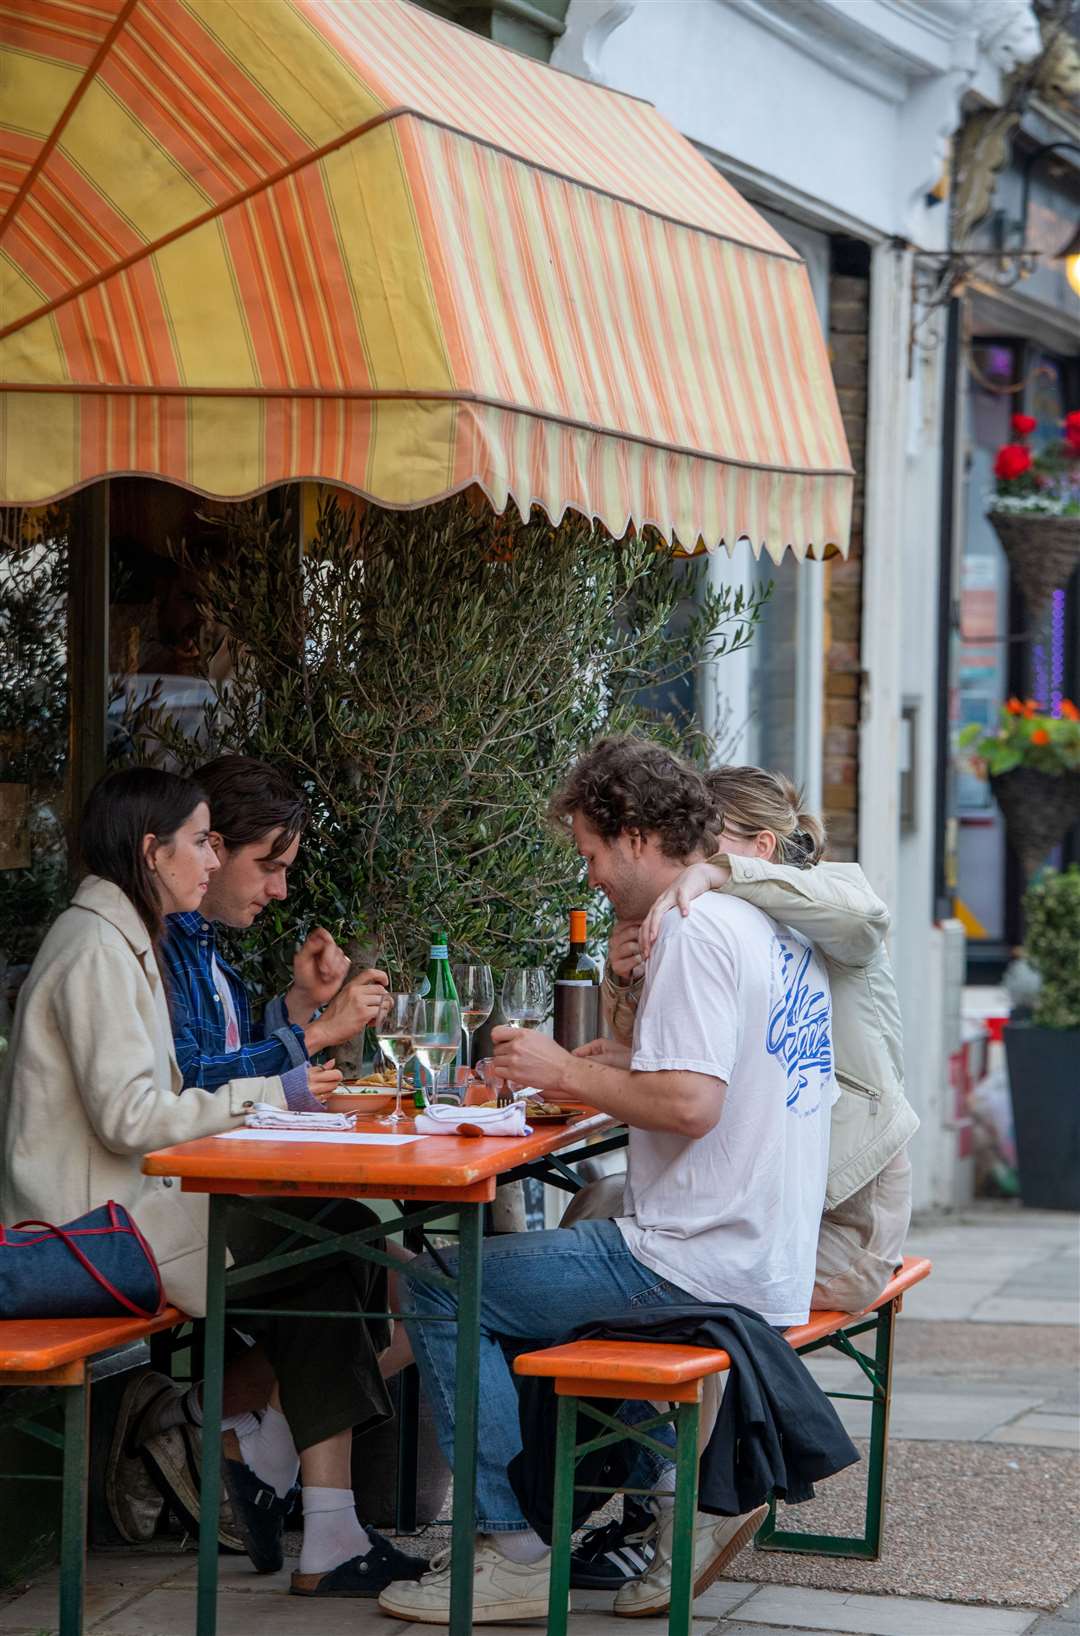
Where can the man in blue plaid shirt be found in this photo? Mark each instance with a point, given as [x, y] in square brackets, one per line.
[257, 819]
[325, 1373]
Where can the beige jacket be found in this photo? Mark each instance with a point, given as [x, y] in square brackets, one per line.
[91, 1084]
[834, 906]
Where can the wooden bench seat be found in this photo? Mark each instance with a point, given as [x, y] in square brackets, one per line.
[35, 1350]
[600, 1368]
[656, 1372]
[58, 1354]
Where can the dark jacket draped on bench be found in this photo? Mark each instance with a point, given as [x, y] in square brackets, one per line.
[776, 1431]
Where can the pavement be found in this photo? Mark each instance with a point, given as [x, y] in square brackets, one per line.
[983, 1525]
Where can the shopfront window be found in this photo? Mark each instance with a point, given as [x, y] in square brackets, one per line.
[1001, 652]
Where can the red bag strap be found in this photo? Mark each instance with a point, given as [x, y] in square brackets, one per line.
[88, 1266]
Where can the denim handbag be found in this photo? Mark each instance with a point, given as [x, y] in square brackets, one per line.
[98, 1266]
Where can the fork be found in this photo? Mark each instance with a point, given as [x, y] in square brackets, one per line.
[504, 1096]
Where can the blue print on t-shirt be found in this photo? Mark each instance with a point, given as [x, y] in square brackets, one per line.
[799, 1022]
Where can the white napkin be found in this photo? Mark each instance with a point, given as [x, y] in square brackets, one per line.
[264, 1116]
[441, 1120]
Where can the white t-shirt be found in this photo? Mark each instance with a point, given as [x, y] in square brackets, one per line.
[734, 1215]
[228, 1006]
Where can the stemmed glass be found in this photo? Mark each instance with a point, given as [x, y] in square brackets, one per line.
[436, 1035]
[526, 1002]
[526, 996]
[476, 995]
[395, 1036]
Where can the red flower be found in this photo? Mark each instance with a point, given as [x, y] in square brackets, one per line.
[1069, 710]
[1024, 425]
[1030, 708]
[1040, 736]
[1013, 460]
[1014, 707]
[1072, 430]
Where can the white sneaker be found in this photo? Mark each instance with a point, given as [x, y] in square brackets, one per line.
[502, 1590]
[717, 1540]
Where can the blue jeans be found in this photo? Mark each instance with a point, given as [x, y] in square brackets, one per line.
[536, 1287]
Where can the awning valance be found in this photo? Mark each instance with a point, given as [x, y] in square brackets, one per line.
[249, 241]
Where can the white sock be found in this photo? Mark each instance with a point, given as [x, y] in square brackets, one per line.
[524, 1546]
[266, 1445]
[664, 1492]
[332, 1531]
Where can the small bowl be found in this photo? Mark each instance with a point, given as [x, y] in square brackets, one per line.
[357, 1099]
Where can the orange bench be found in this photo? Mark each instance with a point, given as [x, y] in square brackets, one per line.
[648, 1370]
[54, 1353]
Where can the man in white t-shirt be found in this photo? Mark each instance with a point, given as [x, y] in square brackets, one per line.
[727, 1095]
[734, 1214]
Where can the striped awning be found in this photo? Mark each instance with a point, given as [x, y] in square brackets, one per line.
[244, 242]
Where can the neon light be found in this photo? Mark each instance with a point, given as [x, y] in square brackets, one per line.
[1057, 652]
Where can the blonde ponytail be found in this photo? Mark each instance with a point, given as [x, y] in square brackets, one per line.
[750, 799]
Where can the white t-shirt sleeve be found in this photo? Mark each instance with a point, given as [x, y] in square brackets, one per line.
[688, 1018]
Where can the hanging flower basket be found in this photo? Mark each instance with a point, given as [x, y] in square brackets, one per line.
[1042, 551]
[1032, 760]
[1039, 810]
[1035, 509]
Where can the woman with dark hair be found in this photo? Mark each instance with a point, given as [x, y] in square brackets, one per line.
[91, 1085]
[91, 1081]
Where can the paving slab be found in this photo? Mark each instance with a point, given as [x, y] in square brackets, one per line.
[1064, 1621]
[724, 1596]
[1051, 1431]
[1009, 1309]
[171, 1612]
[113, 1580]
[835, 1612]
[948, 1301]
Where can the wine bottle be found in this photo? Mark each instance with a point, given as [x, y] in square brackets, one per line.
[437, 985]
[577, 990]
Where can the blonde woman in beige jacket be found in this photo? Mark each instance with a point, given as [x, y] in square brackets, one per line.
[91, 1086]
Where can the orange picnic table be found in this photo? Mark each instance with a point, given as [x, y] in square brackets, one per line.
[422, 1176]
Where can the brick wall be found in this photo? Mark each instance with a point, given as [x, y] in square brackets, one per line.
[849, 303]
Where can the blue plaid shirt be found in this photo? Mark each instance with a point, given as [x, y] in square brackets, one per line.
[270, 1047]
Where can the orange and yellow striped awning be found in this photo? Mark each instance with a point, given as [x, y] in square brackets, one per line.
[250, 241]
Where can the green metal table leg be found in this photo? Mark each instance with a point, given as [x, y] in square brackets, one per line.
[879, 1431]
[210, 1488]
[73, 1525]
[466, 1407]
[682, 1546]
[562, 1522]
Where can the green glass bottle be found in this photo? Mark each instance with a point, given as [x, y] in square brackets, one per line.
[438, 984]
[577, 990]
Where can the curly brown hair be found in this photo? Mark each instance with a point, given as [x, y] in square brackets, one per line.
[630, 783]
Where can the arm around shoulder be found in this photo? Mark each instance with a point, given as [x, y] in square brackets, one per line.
[831, 904]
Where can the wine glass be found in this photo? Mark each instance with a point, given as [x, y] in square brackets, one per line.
[394, 1033]
[526, 996]
[436, 1035]
[476, 996]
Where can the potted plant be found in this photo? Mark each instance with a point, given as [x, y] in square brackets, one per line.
[1032, 759]
[1035, 509]
[1044, 1054]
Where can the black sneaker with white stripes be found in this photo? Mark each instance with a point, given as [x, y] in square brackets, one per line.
[618, 1552]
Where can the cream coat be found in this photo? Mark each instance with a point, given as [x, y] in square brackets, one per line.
[835, 907]
[91, 1085]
